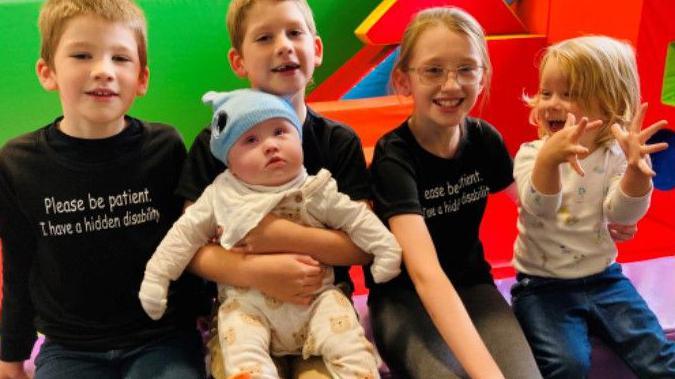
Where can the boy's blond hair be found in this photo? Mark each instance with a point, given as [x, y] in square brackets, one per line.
[238, 10]
[601, 71]
[456, 20]
[55, 15]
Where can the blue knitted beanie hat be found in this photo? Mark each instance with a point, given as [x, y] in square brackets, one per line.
[236, 112]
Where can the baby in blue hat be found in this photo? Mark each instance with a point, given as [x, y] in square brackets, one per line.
[259, 138]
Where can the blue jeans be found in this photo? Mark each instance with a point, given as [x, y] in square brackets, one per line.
[176, 356]
[557, 316]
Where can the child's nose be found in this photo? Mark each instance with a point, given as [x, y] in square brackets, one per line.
[451, 81]
[271, 146]
[102, 70]
[283, 45]
[555, 102]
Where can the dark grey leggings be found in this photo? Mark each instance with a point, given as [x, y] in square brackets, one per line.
[408, 341]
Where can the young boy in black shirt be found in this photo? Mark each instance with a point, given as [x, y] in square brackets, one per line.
[84, 201]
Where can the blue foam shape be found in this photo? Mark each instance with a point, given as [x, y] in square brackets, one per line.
[663, 162]
[376, 82]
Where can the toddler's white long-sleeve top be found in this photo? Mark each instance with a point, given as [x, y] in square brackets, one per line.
[565, 235]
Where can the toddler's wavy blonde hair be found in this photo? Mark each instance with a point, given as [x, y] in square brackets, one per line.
[600, 71]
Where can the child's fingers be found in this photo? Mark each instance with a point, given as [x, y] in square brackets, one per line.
[617, 131]
[649, 131]
[636, 125]
[306, 259]
[570, 121]
[579, 128]
[620, 233]
[585, 125]
[576, 166]
[578, 150]
[654, 148]
[644, 167]
[593, 124]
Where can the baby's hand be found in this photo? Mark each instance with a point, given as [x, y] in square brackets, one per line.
[153, 295]
[563, 146]
[216, 237]
[269, 236]
[633, 141]
[290, 278]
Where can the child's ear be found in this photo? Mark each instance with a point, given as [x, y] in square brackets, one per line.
[143, 81]
[533, 117]
[401, 81]
[318, 51]
[236, 62]
[46, 75]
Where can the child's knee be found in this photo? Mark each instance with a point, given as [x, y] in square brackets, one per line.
[565, 366]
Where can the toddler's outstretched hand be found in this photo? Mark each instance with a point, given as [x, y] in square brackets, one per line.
[633, 141]
[153, 295]
[563, 146]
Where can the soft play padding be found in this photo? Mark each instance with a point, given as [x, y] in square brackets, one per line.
[663, 162]
[656, 36]
[350, 73]
[572, 18]
[668, 92]
[376, 83]
[385, 25]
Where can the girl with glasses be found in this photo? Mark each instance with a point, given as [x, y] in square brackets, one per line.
[443, 317]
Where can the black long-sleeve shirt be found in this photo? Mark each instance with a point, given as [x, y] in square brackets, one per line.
[78, 220]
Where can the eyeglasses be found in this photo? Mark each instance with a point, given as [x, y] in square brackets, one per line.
[438, 75]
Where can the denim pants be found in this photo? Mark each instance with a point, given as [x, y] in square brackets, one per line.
[558, 315]
[176, 356]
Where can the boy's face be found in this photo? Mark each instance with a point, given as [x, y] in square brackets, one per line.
[97, 72]
[268, 154]
[278, 53]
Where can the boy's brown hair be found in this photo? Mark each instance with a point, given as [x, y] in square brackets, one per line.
[237, 12]
[55, 14]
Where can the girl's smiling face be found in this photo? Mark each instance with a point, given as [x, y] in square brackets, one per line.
[443, 103]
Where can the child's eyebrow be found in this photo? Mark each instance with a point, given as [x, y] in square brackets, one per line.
[78, 45]
[462, 61]
[257, 29]
[89, 45]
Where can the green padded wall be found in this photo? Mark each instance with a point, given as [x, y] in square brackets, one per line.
[187, 56]
[668, 93]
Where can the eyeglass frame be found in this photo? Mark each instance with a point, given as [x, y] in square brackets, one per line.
[446, 72]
